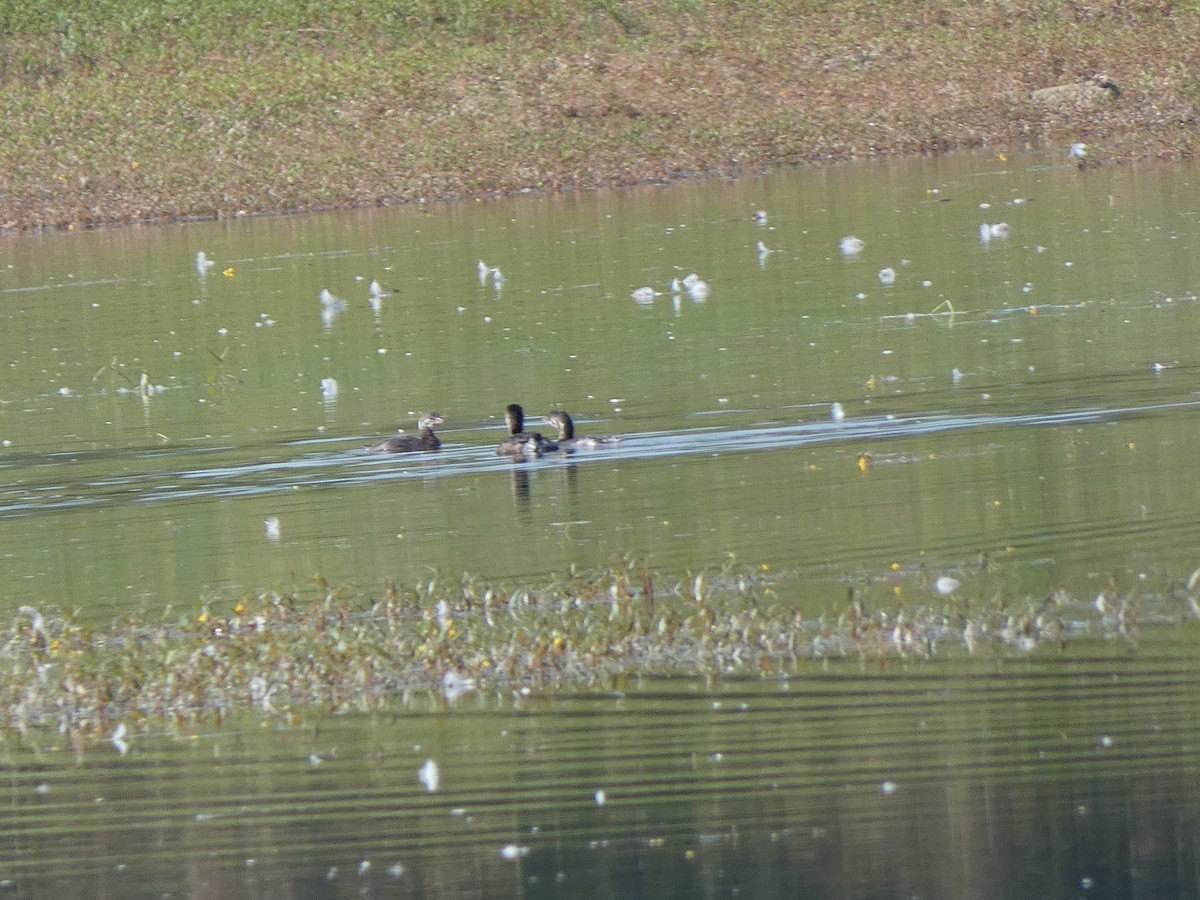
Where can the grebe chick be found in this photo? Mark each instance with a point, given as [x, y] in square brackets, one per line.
[566, 432]
[520, 444]
[424, 439]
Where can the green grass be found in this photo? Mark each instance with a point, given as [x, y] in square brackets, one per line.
[123, 110]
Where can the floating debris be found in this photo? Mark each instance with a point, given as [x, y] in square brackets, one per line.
[36, 621]
[329, 389]
[850, 245]
[946, 585]
[837, 412]
[375, 296]
[271, 529]
[330, 307]
[999, 231]
[143, 390]
[887, 275]
[512, 852]
[696, 287]
[455, 686]
[118, 739]
[644, 295]
[430, 776]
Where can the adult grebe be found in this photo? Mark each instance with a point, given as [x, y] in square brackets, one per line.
[566, 433]
[424, 439]
[520, 444]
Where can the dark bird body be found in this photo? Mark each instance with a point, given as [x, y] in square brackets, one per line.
[424, 439]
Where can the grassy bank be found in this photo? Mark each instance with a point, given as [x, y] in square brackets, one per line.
[122, 111]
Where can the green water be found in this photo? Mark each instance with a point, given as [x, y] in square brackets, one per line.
[1026, 422]
[114, 498]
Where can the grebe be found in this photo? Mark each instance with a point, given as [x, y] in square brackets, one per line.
[520, 444]
[566, 432]
[424, 439]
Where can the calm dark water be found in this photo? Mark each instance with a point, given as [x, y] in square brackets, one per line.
[1021, 412]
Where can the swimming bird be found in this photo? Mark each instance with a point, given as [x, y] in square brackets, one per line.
[521, 444]
[424, 439]
[566, 432]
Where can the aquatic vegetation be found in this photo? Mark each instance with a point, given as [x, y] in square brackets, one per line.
[281, 653]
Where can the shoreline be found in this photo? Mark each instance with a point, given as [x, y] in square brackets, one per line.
[117, 130]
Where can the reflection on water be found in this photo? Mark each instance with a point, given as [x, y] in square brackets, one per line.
[1052, 776]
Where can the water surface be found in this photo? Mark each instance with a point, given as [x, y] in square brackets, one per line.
[1021, 413]
[1028, 398]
